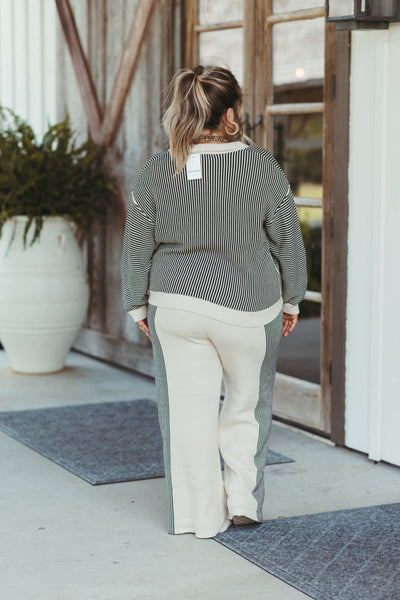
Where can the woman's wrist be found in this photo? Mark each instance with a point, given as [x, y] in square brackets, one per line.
[290, 309]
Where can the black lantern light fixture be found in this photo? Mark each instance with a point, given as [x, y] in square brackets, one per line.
[362, 14]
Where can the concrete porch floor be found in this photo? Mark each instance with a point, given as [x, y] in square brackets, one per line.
[63, 539]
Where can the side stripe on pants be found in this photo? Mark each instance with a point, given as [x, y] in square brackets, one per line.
[163, 409]
[263, 411]
[192, 352]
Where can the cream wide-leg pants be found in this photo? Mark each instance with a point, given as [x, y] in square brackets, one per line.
[192, 352]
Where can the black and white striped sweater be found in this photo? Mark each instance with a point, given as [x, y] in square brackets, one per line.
[227, 245]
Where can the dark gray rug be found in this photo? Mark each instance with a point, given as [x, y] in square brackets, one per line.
[101, 443]
[342, 555]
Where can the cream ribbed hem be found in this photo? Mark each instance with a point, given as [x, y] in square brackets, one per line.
[139, 314]
[216, 311]
[216, 147]
[291, 309]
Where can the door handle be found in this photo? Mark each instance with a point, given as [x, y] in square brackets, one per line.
[246, 123]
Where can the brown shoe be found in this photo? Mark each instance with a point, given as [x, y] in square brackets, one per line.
[242, 520]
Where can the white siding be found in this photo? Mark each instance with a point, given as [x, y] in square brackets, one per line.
[373, 331]
[28, 60]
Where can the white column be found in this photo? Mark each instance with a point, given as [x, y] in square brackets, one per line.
[377, 271]
[28, 54]
[372, 418]
[49, 90]
[6, 54]
[34, 79]
[20, 52]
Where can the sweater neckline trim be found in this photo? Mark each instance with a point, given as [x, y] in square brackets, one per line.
[217, 148]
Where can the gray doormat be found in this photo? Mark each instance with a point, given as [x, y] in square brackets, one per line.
[342, 555]
[102, 443]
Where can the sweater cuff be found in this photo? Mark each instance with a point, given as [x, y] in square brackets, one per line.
[291, 309]
[139, 314]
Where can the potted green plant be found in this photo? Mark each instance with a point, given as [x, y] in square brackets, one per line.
[45, 185]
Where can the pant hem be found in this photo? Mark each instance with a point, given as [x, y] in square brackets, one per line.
[203, 533]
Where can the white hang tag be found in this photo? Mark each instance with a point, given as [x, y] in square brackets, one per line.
[193, 166]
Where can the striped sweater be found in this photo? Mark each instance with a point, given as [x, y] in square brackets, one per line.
[226, 243]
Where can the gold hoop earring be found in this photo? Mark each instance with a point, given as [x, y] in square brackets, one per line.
[233, 132]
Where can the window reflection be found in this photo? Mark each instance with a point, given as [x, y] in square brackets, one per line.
[282, 6]
[341, 7]
[224, 48]
[300, 353]
[222, 11]
[297, 146]
[311, 227]
[297, 77]
[298, 60]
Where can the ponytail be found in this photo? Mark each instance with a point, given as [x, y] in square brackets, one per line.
[200, 96]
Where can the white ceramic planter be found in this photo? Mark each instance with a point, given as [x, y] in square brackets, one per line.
[43, 295]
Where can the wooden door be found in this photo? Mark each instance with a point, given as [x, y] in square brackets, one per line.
[298, 131]
[291, 114]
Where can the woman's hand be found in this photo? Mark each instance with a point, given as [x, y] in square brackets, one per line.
[289, 323]
[144, 327]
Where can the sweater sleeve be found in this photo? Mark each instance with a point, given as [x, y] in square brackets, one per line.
[286, 242]
[138, 247]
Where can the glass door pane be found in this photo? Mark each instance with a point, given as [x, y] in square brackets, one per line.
[283, 6]
[224, 48]
[211, 12]
[298, 61]
[297, 145]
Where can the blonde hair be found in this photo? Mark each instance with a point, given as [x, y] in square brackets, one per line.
[200, 96]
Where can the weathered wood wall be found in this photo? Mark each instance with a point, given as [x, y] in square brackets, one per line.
[109, 333]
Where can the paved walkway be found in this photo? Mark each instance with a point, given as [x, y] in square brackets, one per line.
[63, 539]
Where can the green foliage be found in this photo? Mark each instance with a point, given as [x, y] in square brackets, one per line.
[305, 165]
[51, 177]
[312, 242]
